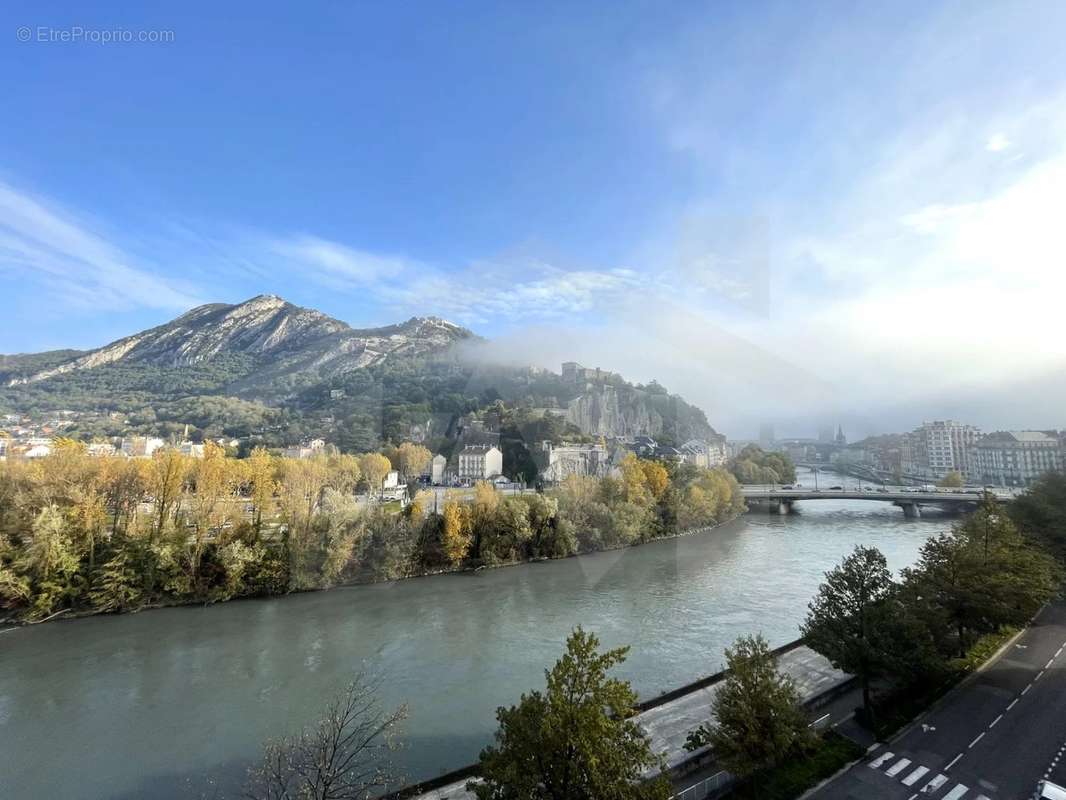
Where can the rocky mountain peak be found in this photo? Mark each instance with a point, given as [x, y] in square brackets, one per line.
[281, 337]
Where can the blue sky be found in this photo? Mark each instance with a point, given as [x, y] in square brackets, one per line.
[720, 195]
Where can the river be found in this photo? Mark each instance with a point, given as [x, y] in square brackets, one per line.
[175, 702]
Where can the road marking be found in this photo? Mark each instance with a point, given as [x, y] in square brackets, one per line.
[881, 759]
[934, 784]
[898, 767]
[912, 779]
[1039, 675]
[1012, 702]
[983, 797]
[1027, 688]
[997, 719]
[1050, 661]
[956, 793]
[1058, 652]
[952, 763]
[979, 738]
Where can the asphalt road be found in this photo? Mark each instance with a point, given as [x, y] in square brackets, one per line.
[993, 737]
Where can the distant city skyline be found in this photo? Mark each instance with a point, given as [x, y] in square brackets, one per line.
[844, 214]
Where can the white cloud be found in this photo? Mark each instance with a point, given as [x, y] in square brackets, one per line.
[83, 269]
[337, 264]
[997, 142]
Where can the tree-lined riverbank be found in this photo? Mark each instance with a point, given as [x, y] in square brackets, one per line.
[93, 535]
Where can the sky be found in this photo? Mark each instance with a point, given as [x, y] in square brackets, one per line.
[791, 213]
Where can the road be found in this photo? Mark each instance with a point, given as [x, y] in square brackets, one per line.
[993, 737]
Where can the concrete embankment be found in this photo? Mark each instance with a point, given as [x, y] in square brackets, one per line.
[667, 719]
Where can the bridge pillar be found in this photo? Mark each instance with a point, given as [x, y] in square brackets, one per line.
[784, 507]
[911, 510]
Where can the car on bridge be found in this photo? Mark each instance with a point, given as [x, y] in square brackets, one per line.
[836, 488]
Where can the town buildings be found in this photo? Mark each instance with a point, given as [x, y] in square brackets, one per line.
[939, 447]
[557, 462]
[701, 453]
[1016, 458]
[436, 469]
[312, 448]
[140, 446]
[479, 461]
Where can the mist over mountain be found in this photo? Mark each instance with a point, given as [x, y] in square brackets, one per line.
[274, 372]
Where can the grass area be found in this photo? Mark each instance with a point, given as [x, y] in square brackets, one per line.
[832, 753]
[983, 649]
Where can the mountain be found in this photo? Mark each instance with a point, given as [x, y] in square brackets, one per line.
[268, 371]
[283, 338]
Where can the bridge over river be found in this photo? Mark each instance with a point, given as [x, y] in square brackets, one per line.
[909, 499]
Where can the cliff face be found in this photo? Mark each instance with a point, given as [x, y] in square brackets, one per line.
[629, 411]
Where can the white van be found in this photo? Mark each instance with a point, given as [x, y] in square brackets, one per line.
[1046, 790]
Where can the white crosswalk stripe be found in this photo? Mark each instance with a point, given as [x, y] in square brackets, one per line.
[881, 759]
[913, 778]
[931, 787]
[898, 767]
[935, 784]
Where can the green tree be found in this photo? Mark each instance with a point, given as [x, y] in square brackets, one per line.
[757, 717]
[119, 586]
[1041, 512]
[575, 741]
[845, 614]
[980, 576]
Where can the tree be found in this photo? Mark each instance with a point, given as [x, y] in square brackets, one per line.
[165, 477]
[485, 504]
[757, 717]
[656, 478]
[456, 535]
[953, 480]
[344, 757]
[1041, 512]
[345, 472]
[845, 613]
[50, 559]
[982, 575]
[375, 467]
[259, 472]
[575, 741]
[214, 483]
[119, 587]
[412, 459]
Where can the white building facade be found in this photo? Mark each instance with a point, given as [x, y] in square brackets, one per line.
[479, 462]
